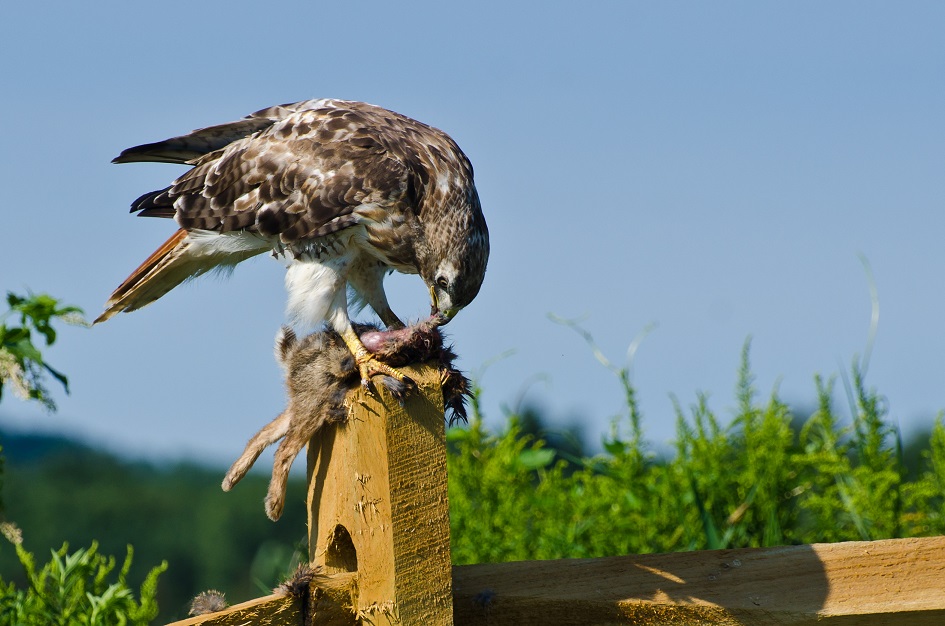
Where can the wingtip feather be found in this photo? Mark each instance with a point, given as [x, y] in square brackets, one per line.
[158, 152]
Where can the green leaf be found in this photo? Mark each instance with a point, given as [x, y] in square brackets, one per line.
[24, 350]
[457, 434]
[58, 376]
[615, 447]
[712, 538]
[536, 458]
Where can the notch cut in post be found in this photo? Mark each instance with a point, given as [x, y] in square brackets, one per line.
[377, 501]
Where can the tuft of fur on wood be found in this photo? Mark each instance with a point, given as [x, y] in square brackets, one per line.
[299, 586]
[299, 583]
[319, 372]
[209, 601]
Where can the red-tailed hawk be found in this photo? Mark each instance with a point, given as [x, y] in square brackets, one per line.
[344, 191]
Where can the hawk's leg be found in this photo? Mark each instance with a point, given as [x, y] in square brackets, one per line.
[390, 319]
[328, 300]
[366, 277]
[368, 363]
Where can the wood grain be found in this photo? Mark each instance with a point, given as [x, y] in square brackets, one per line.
[267, 611]
[869, 583]
[378, 503]
[898, 581]
[328, 604]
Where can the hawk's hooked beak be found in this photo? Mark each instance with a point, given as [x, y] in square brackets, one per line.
[446, 315]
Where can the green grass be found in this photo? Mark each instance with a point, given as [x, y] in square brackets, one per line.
[757, 481]
[74, 588]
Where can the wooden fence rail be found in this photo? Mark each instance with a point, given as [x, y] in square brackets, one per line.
[379, 530]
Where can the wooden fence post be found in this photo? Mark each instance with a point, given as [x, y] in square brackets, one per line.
[378, 506]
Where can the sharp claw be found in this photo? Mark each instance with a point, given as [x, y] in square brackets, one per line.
[368, 364]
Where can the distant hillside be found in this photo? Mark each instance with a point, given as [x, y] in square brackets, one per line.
[23, 449]
[57, 489]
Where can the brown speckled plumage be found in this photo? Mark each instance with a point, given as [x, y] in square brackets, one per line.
[351, 186]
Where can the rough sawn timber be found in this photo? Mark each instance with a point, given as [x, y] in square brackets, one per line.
[329, 604]
[896, 581]
[267, 611]
[378, 503]
[890, 582]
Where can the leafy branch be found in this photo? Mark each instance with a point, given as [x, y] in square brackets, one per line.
[22, 365]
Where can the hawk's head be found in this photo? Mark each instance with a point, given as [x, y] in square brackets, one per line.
[452, 287]
[455, 264]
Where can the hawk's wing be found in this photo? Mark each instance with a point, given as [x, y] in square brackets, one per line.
[299, 177]
[195, 144]
[292, 172]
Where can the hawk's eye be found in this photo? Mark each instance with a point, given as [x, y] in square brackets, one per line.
[442, 282]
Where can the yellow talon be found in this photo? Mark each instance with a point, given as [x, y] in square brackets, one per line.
[368, 363]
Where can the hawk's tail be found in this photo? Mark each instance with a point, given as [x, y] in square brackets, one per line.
[185, 255]
[167, 267]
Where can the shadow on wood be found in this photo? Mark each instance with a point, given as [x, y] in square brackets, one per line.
[897, 581]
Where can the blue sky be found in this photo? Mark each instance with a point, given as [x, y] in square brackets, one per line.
[714, 168]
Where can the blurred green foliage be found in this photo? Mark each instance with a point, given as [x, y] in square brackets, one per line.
[70, 588]
[22, 366]
[757, 481]
[74, 589]
[58, 490]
